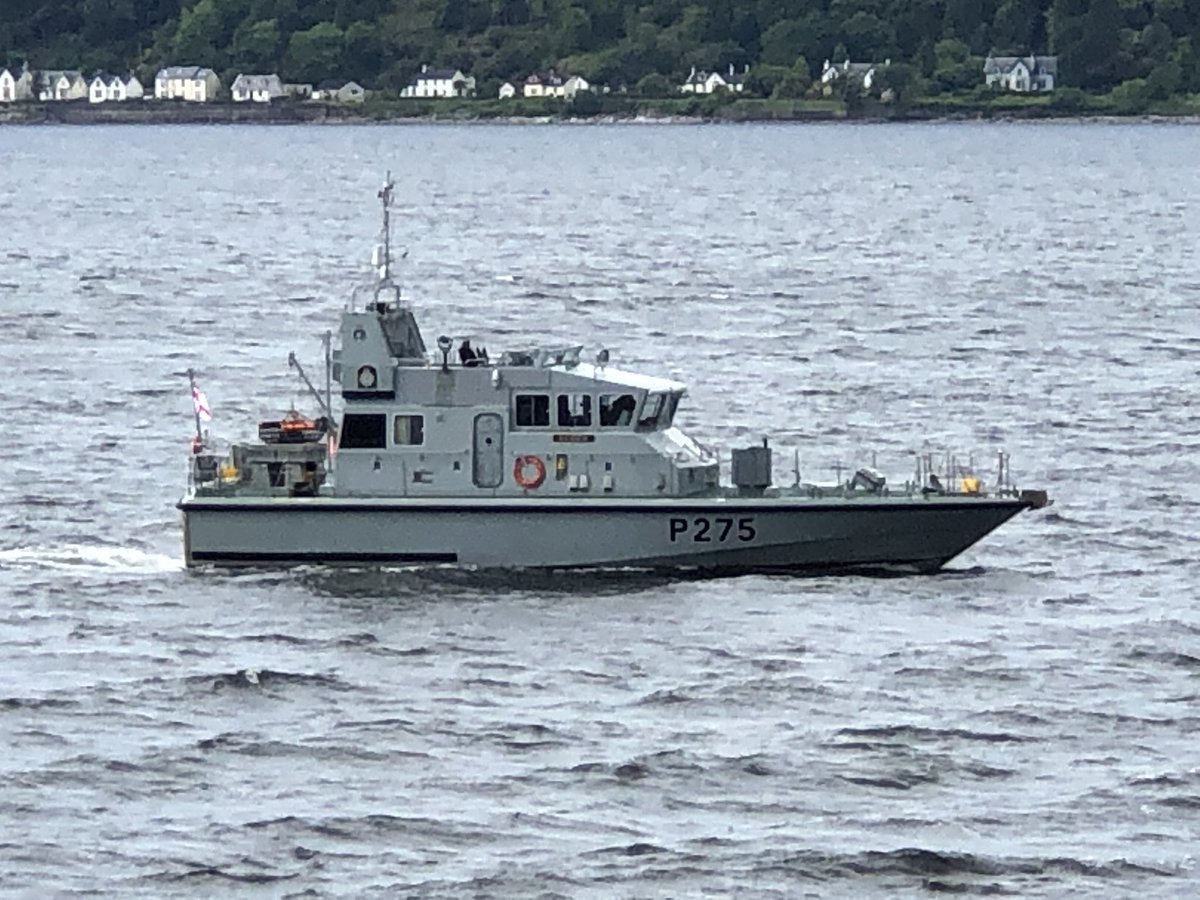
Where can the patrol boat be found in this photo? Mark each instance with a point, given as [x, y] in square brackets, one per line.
[539, 458]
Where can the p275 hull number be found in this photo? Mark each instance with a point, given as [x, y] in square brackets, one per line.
[705, 530]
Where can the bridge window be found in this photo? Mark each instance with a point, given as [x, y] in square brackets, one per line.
[617, 410]
[651, 409]
[533, 410]
[668, 415]
[408, 430]
[574, 410]
[363, 431]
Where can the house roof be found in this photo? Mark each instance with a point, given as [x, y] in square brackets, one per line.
[431, 74]
[55, 74]
[184, 72]
[1001, 65]
[255, 83]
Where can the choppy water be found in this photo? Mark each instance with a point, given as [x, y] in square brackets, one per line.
[1026, 723]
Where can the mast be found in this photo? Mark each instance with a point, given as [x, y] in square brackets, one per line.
[195, 405]
[385, 199]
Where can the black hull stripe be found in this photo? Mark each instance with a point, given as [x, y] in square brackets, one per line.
[484, 507]
[250, 558]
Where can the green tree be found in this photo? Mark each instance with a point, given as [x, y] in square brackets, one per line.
[899, 81]
[256, 45]
[867, 37]
[586, 103]
[792, 86]
[781, 43]
[363, 53]
[655, 85]
[1164, 79]
[315, 54]
[1131, 97]
[198, 34]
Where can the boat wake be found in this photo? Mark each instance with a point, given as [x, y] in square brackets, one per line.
[89, 557]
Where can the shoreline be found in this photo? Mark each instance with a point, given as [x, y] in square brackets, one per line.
[80, 112]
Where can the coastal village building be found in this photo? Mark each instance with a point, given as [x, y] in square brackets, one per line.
[545, 85]
[256, 88]
[574, 85]
[340, 92]
[1021, 73]
[194, 84]
[699, 82]
[16, 86]
[851, 74]
[302, 90]
[105, 88]
[61, 84]
[542, 85]
[440, 83]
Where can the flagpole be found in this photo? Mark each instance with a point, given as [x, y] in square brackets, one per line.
[195, 405]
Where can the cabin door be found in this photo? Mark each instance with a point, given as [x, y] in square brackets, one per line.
[487, 469]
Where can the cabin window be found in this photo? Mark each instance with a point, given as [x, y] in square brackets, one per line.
[651, 410]
[668, 415]
[574, 410]
[408, 430]
[533, 410]
[616, 410]
[363, 431]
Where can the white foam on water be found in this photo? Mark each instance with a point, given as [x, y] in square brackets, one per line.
[85, 557]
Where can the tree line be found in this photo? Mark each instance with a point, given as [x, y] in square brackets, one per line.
[1151, 46]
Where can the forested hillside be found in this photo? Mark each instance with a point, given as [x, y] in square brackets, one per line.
[382, 42]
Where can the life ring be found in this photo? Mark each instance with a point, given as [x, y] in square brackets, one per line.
[521, 472]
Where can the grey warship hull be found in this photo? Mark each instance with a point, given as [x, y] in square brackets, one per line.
[902, 534]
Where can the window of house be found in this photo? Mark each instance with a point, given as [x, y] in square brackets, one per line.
[617, 410]
[533, 410]
[363, 431]
[408, 430]
[651, 410]
[574, 410]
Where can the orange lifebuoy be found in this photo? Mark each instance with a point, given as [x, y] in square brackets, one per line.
[521, 473]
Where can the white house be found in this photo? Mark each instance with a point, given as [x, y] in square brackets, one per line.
[850, 73]
[542, 85]
[194, 84]
[340, 92]
[440, 83]
[105, 88]
[256, 88]
[1021, 73]
[709, 82]
[133, 88]
[574, 85]
[98, 88]
[509, 89]
[61, 84]
[16, 86]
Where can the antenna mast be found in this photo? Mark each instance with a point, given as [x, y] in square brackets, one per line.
[385, 199]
